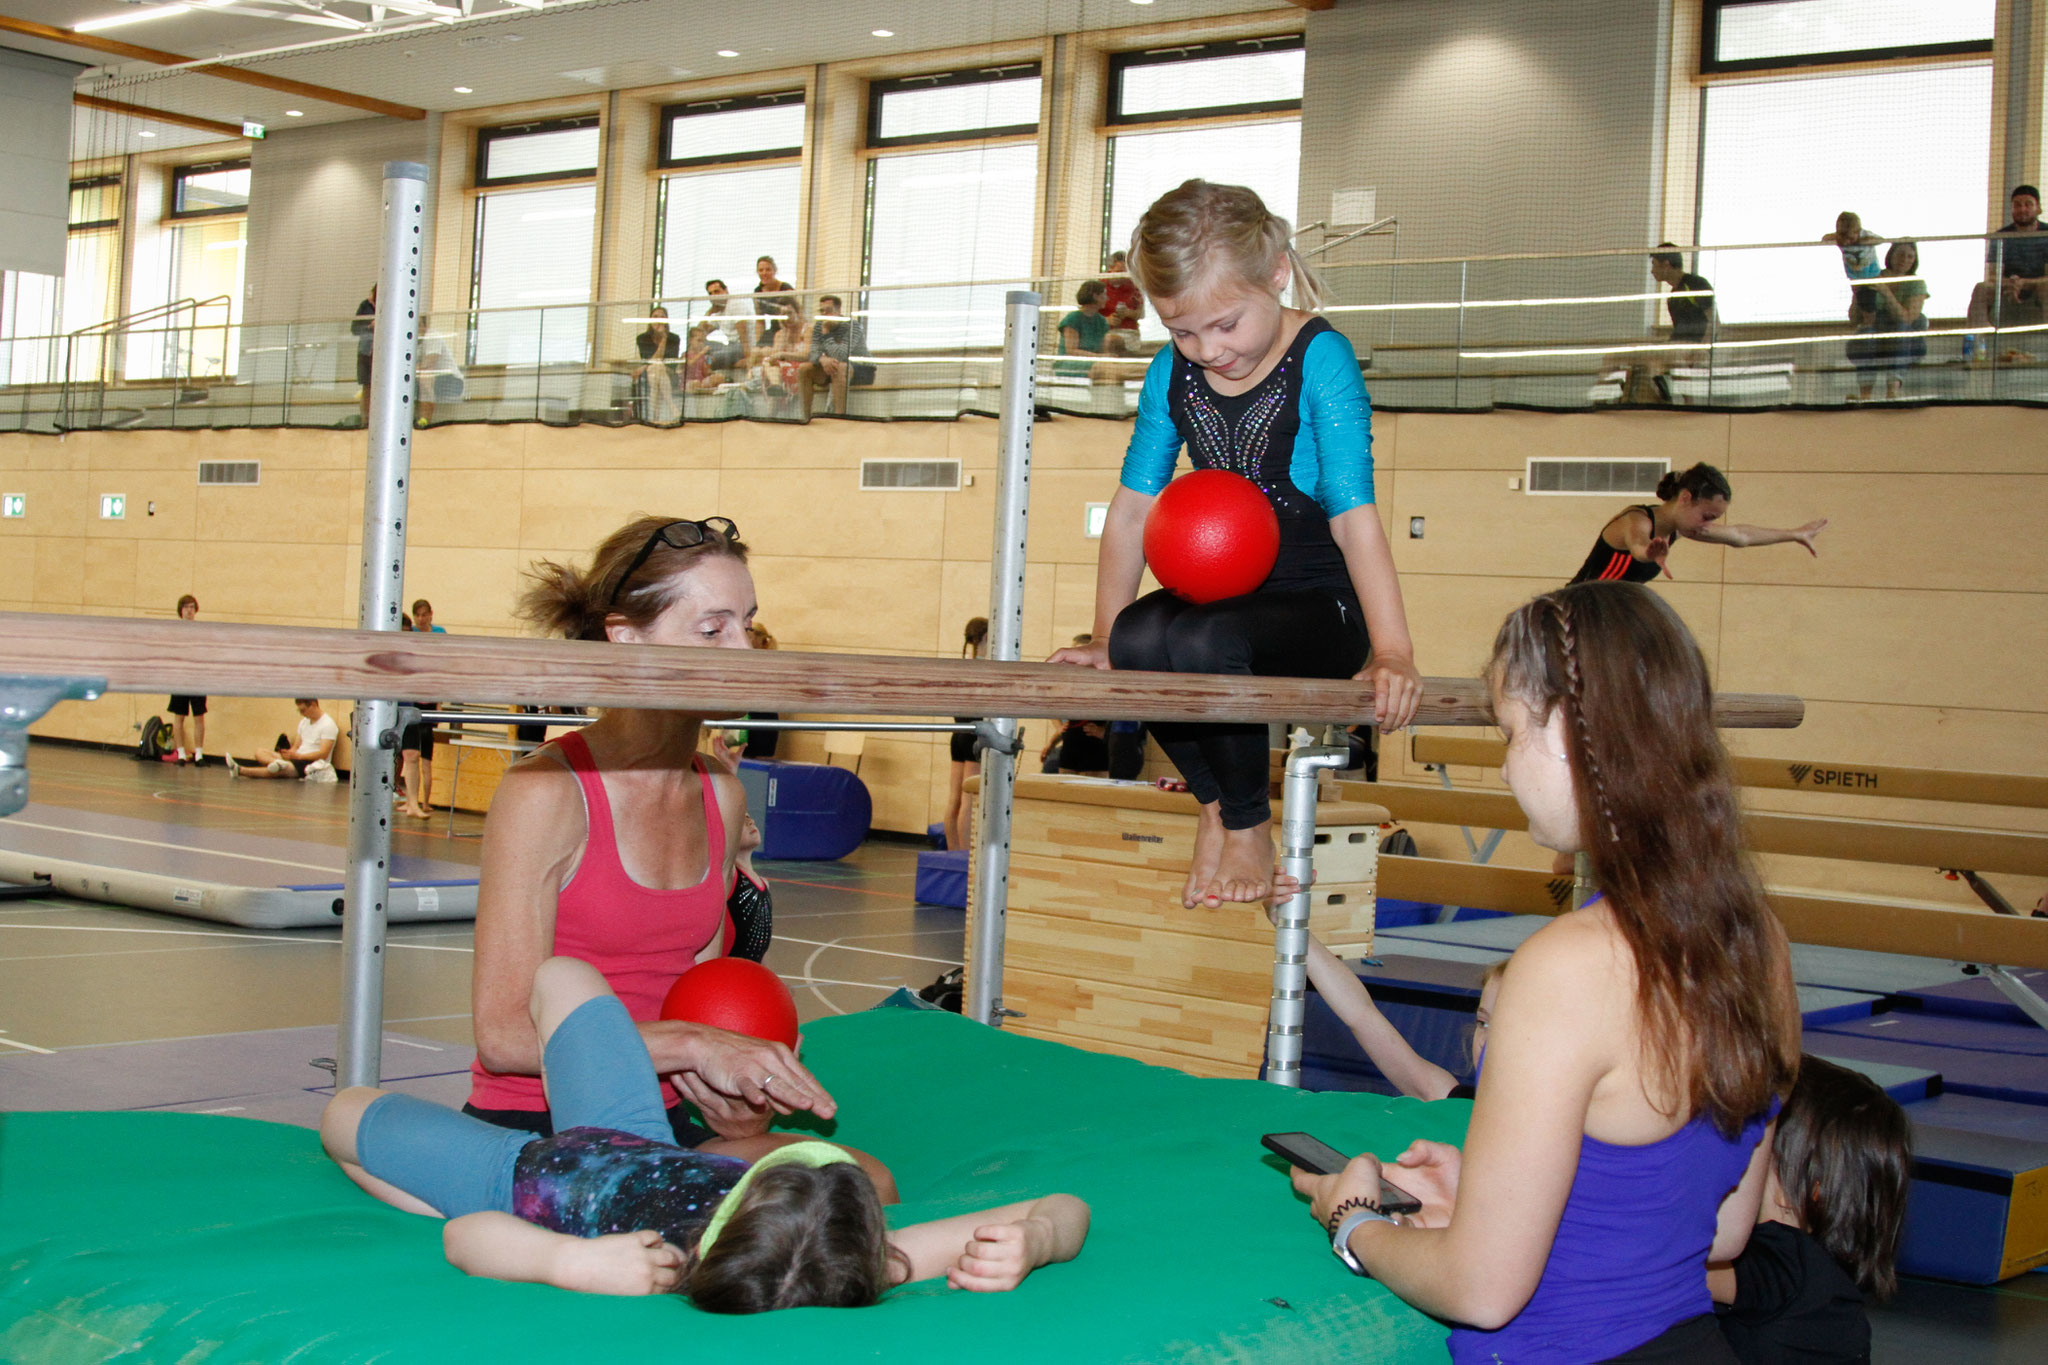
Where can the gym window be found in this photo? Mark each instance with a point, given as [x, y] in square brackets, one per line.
[1207, 80]
[948, 106]
[739, 194]
[209, 189]
[529, 153]
[1760, 35]
[96, 203]
[742, 128]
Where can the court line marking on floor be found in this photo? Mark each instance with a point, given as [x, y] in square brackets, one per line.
[214, 933]
[27, 1047]
[879, 952]
[181, 848]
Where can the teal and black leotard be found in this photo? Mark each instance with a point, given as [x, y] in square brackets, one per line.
[1303, 434]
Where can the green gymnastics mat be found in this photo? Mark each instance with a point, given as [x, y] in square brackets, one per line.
[188, 1238]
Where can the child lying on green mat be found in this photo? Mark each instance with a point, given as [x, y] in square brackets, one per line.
[610, 1205]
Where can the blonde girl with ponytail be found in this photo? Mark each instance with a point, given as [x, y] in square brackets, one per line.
[1274, 393]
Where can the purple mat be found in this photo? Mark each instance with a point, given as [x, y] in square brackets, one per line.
[1977, 998]
[1979, 1114]
[1949, 1030]
[2017, 1077]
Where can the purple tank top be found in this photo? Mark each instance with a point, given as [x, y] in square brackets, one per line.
[1630, 1257]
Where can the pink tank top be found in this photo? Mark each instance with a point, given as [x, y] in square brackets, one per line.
[641, 938]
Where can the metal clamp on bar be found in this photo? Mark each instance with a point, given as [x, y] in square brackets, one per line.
[23, 702]
[2022, 995]
[990, 736]
[1290, 916]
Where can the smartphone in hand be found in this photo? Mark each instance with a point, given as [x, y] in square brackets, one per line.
[1320, 1158]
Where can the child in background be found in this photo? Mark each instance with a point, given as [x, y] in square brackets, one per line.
[1859, 254]
[609, 1205]
[1834, 1204]
[1406, 1069]
[1273, 393]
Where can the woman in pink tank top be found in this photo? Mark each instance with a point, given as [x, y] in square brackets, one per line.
[616, 845]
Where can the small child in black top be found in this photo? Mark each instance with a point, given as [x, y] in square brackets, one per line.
[1828, 1231]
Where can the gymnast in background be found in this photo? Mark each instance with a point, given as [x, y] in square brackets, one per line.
[1635, 546]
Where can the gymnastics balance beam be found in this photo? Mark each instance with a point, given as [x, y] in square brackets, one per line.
[126, 654]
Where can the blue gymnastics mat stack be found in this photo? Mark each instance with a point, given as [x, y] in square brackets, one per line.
[1969, 1067]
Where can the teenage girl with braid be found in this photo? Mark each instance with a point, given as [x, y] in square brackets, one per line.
[1634, 546]
[1639, 1043]
[1272, 393]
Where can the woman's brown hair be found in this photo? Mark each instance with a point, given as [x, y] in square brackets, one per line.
[1193, 233]
[1659, 820]
[804, 1237]
[564, 600]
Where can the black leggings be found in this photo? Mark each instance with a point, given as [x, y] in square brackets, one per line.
[1307, 633]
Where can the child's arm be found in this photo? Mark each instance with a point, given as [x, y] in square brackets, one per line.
[1411, 1073]
[991, 1251]
[499, 1246]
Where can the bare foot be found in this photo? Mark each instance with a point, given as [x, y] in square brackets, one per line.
[1209, 834]
[1244, 873]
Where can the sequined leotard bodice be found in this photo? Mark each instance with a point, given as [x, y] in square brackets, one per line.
[1303, 434]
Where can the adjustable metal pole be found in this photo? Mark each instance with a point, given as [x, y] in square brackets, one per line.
[1290, 917]
[1005, 636]
[393, 363]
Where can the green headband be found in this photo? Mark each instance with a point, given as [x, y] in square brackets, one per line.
[813, 1154]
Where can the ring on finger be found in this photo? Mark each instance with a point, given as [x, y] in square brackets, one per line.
[767, 1080]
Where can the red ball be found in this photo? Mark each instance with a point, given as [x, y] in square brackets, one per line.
[737, 995]
[1210, 535]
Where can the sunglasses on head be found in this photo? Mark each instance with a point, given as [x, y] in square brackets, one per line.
[677, 535]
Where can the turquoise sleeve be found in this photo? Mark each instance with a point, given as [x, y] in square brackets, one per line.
[1155, 440]
[1333, 452]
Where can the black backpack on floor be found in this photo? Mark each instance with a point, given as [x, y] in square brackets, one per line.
[155, 741]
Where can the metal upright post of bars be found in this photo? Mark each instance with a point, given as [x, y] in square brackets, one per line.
[1290, 917]
[394, 360]
[1005, 633]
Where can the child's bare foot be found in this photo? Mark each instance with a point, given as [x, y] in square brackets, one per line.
[1209, 834]
[1244, 874]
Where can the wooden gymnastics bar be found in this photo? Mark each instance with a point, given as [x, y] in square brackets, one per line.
[136, 655]
[1852, 779]
[1806, 836]
[1831, 921]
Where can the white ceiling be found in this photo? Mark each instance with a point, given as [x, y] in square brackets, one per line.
[507, 52]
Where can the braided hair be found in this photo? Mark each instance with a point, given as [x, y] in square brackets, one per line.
[1660, 824]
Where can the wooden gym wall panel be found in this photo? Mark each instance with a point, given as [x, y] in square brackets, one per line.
[1931, 509]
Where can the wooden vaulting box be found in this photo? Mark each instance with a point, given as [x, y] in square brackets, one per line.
[1100, 953]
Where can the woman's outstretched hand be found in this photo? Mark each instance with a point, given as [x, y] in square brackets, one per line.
[1094, 654]
[1805, 534]
[1396, 690]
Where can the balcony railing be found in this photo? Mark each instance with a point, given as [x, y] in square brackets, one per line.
[1564, 332]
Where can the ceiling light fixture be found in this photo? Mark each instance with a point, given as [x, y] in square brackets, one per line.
[135, 17]
[727, 52]
[1141, 2]
[884, 32]
[145, 133]
[294, 113]
[464, 90]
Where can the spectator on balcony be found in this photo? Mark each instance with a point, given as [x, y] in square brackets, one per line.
[656, 380]
[1083, 331]
[698, 375]
[365, 328]
[836, 344]
[2015, 287]
[1859, 254]
[1892, 303]
[779, 366]
[1691, 301]
[1123, 303]
[726, 346]
[770, 295]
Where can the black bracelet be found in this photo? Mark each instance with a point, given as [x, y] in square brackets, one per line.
[1346, 1206]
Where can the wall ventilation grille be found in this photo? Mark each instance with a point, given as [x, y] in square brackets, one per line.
[1604, 477]
[939, 475]
[237, 472]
